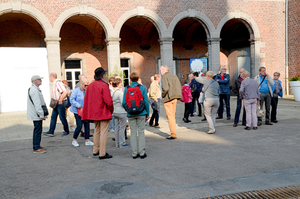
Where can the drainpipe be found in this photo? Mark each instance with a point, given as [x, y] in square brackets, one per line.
[286, 48]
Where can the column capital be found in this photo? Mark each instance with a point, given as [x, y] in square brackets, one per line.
[52, 39]
[112, 40]
[166, 40]
[213, 40]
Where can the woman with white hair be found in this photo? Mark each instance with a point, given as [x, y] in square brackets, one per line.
[77, 101]
[211, 102]
[249, 93]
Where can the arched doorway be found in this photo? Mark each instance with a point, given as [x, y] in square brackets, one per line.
[22, 54]
[235, 44]
[190, 42]
[139, 48]
[83, 48]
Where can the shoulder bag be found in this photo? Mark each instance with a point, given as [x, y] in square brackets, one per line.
[260, 112]
[202, 94]
[45, 110]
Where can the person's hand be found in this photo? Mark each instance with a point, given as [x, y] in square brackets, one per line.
[80, 107]
[147, 118]
[217, 80]
[225, 79]
[42, 118]
[60, 102]
[257, 102]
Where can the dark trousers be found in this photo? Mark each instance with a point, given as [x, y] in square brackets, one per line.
[61, 111]
[155, 114]
[265, 98]
[187, 110]
[37, 134]
[227, 102]
[274, 103]
[238, 111]
[194, 102]
[79, 126]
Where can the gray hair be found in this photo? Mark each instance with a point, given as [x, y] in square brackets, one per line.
[245, 74]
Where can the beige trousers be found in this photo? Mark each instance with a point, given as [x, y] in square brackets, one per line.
[170, 108]
[100, 136]
[211, 106]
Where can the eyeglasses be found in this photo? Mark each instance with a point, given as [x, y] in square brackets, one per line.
[276, 75]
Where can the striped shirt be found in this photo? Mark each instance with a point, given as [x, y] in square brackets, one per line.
[57, 89]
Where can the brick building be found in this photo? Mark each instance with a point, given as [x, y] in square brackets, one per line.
[81, 35]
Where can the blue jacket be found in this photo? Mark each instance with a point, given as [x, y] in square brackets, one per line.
[224, 84]
[145, 96]
[273, 88]
[199, 85]
[76, 99]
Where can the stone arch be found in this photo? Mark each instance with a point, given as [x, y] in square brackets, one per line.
[191, 13]
[83, 10]
[28, 10]
[141, 12]
[248, 21]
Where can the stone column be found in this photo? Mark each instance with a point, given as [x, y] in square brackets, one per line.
[252, 58]
[214, 54]
[113, 53]
[166, 53]
[53, 55]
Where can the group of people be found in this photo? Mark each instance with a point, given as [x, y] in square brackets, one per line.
[97, 102]
[262, 90]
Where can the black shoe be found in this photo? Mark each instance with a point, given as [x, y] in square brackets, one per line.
[171, 138]
[204, 119]
[135, 157]
[192, 115]
[254, 128]
[244, 124]
[200, 115]
[189, 120]
[113, 139]
[247, 128]
[219, 117]
[107, 156]
[274, 121]
[269, 123]
[143, 156]
[95, 154]
[183, 119]
[258, 124]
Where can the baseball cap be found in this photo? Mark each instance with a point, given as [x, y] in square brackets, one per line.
[35, 77]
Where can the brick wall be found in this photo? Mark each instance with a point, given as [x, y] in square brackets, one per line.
[294, 37]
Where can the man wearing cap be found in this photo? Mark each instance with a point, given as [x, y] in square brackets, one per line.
[59, 92]
[35, 113]
[98, 107]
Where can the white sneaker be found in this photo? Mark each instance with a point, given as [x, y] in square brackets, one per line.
[75, 143]
[72, 129]
[211, 131]
[112, 130]
[89, 143]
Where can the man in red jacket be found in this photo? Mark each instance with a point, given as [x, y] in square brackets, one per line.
[98, 106]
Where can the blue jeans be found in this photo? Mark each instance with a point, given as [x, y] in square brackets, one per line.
[37, 133]
[112, 124]
[61, 111]
[227, 102]
[79, 126]
[238, 111]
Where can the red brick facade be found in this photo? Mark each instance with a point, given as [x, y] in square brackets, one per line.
[81, 34]
[294, 38]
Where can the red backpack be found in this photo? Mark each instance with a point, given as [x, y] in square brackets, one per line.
[134, 100]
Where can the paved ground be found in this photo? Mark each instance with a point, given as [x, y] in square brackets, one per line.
[194, 166]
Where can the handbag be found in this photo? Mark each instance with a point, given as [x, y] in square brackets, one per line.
[260, 112]
[79, 111]
[44, 107]
[153, 104]
[202, 94]
[53, 103]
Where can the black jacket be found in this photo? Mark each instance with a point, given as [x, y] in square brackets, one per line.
[237, 86]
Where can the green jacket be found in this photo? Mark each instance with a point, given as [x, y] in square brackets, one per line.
[171, 87]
